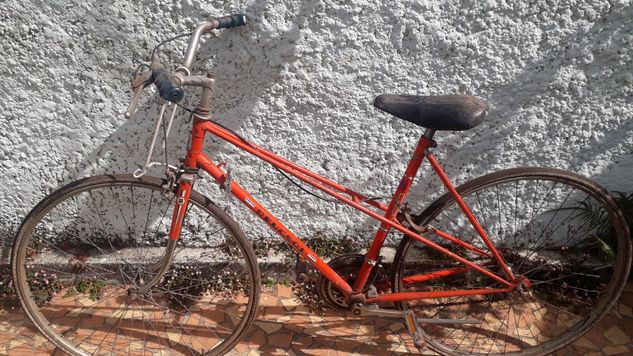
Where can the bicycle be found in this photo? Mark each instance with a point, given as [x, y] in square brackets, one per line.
[520, 261]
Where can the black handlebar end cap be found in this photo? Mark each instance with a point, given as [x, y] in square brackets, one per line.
[173, 94]
[167, 89]
[232, 21]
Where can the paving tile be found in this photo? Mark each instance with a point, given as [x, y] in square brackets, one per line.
[269, 327]
[625, 310]
[290, 303]
[17, 343]
[315, 331]
[284, 291]
[282, 340]
[241, 348]
[585, 343]
[315, 319]
[616, 350]
[302, 309]
[616, 336]
[302, 341]
[285, 326]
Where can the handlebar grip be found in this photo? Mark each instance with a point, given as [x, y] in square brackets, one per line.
[167, 89]
[231, 21]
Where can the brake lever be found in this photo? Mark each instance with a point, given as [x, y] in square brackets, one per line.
[138, 84]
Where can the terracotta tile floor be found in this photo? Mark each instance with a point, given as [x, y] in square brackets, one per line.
[285, 326]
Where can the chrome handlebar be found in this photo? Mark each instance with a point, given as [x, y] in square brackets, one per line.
[217, 23]
[168, 84]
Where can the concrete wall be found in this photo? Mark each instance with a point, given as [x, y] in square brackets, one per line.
[300, 80]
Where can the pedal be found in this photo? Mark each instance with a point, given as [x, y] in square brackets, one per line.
[411, 322]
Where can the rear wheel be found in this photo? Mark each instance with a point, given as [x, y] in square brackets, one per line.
[561, 231]
[83, 255]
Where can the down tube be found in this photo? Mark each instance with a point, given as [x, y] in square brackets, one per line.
[298, 245]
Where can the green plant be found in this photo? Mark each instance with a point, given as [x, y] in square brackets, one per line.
[604, 239]
[268, 282]
[625, 202]
[604, 236]
[324, 246]
[185, 284]
[93, 288]
[43, 284]
[327, 247]
[7, 294]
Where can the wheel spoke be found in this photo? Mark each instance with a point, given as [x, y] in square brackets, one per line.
[535, 221]
[94, 253]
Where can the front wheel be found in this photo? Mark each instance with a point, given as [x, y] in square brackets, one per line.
[84, 260]
[561, 231]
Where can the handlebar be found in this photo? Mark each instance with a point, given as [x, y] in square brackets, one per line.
[163, 80]
[166, 82]
[213, 24]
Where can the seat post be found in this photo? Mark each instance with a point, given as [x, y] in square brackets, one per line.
[429, 133]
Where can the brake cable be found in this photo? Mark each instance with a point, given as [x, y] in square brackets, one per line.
[155, 50]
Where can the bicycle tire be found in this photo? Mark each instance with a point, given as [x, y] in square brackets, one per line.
[79, 253]
[566, 275]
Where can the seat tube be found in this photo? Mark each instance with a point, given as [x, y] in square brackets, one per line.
[371, 257]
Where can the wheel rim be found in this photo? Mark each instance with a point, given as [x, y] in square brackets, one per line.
[79, 261]
[573, 283]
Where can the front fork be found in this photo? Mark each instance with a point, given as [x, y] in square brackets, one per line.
[161, 266]
[185, 186]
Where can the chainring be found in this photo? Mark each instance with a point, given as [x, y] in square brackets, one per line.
[347, 266]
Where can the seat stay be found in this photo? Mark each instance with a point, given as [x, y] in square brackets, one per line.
[469, 215]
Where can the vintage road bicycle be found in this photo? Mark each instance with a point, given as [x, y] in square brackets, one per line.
[520, 261]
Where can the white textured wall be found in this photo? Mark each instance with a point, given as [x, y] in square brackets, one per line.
[300, 80]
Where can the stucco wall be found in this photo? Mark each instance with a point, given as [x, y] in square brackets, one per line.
[300, 80]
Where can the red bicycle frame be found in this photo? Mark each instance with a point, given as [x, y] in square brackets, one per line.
[196, 159]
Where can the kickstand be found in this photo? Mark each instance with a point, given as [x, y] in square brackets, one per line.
[407, 316]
